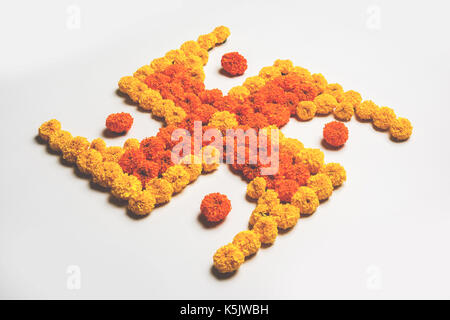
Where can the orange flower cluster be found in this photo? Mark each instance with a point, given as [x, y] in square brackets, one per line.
[215, 207]
[119, 122]
[234, 63]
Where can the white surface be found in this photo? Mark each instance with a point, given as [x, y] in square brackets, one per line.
[384, 234]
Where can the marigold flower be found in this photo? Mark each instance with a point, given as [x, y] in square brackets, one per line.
[105, 173]
[285, 215]
[193, 48]
[269, 73]
[125, 186]
[152, 146]
[221, 33]
[131, 143]
[131, 159]
[160, 64]
[228, 258]
[161, 189]
[325, 103]
[401, 129]
[322, 186]
[286, 189]
[353, 97]
[223, 120]
[306, 110]
[73, 148]
[383, 118]
[98, 144]
[193, 165]
[269, 199]
[344, 111]
[149, 98]
[234, 63]
[335, 133]
[293, 146]
[261, 210]
[248, 242]
[239, 92]
[177, 176]
[119, 122]
[276, 115]
[285, 66]
[256, 188]
[48, 128]
[306, 200]
[143, 72]
[132, 87]
[193, 62]
[142, 202]
[301, 72]
[335, 172]
[253, 84]
[366, 109]
[267, 229]
[336, 91]
[59, 140]
[174, 115]
[146, 170]
[88, 160]
[210, 159]
[160, 108]
[320, 82]
[207, 41]
[215, 207]
[312, 158]
[113, 154]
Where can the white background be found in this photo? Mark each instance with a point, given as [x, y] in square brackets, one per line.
[384, 234]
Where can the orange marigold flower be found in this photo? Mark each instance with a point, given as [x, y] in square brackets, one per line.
[335, 133]
[286, 189]
[152, 146]
[119, 122]
[146, 170]
[131, 159]
[234, 63]
[215, 207]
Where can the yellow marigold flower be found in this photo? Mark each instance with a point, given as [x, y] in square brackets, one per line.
[269, 198]
[223, 120]
[335, 172]
[132, 87]
[261, 210]
[306, 110]
[98, 144]
[344, 111]
[221, 33]
[192, 61]
[88, 160]
[210, 158]
[48, 128]
[306, 200]
[59, 140]
[269, 73]
[285, 215]
[228, 258]
[401, 129]
[270, 133]
[239, 92]
[353, 97]
[325, 103]
[294, 146]
[248, 242]
[177, 176]
[126, 186]
[105, 173]
[320, 82]
[131, 143]
[366, 109]
[72, 149]
[312, 158]
[285, 66]
[113, 154]
[302, 72]
[207, 41]
[256, 187]
[175, 55]
[336, 90]
[192, 47]
[149, 98]
[142, 202]
[160, 108]
[383, 118]
[143, 72]
[193, 165]
[160, 64]
[174, 115]
[161, 189]
[322, 186]
[253, 84]
[267, 229]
